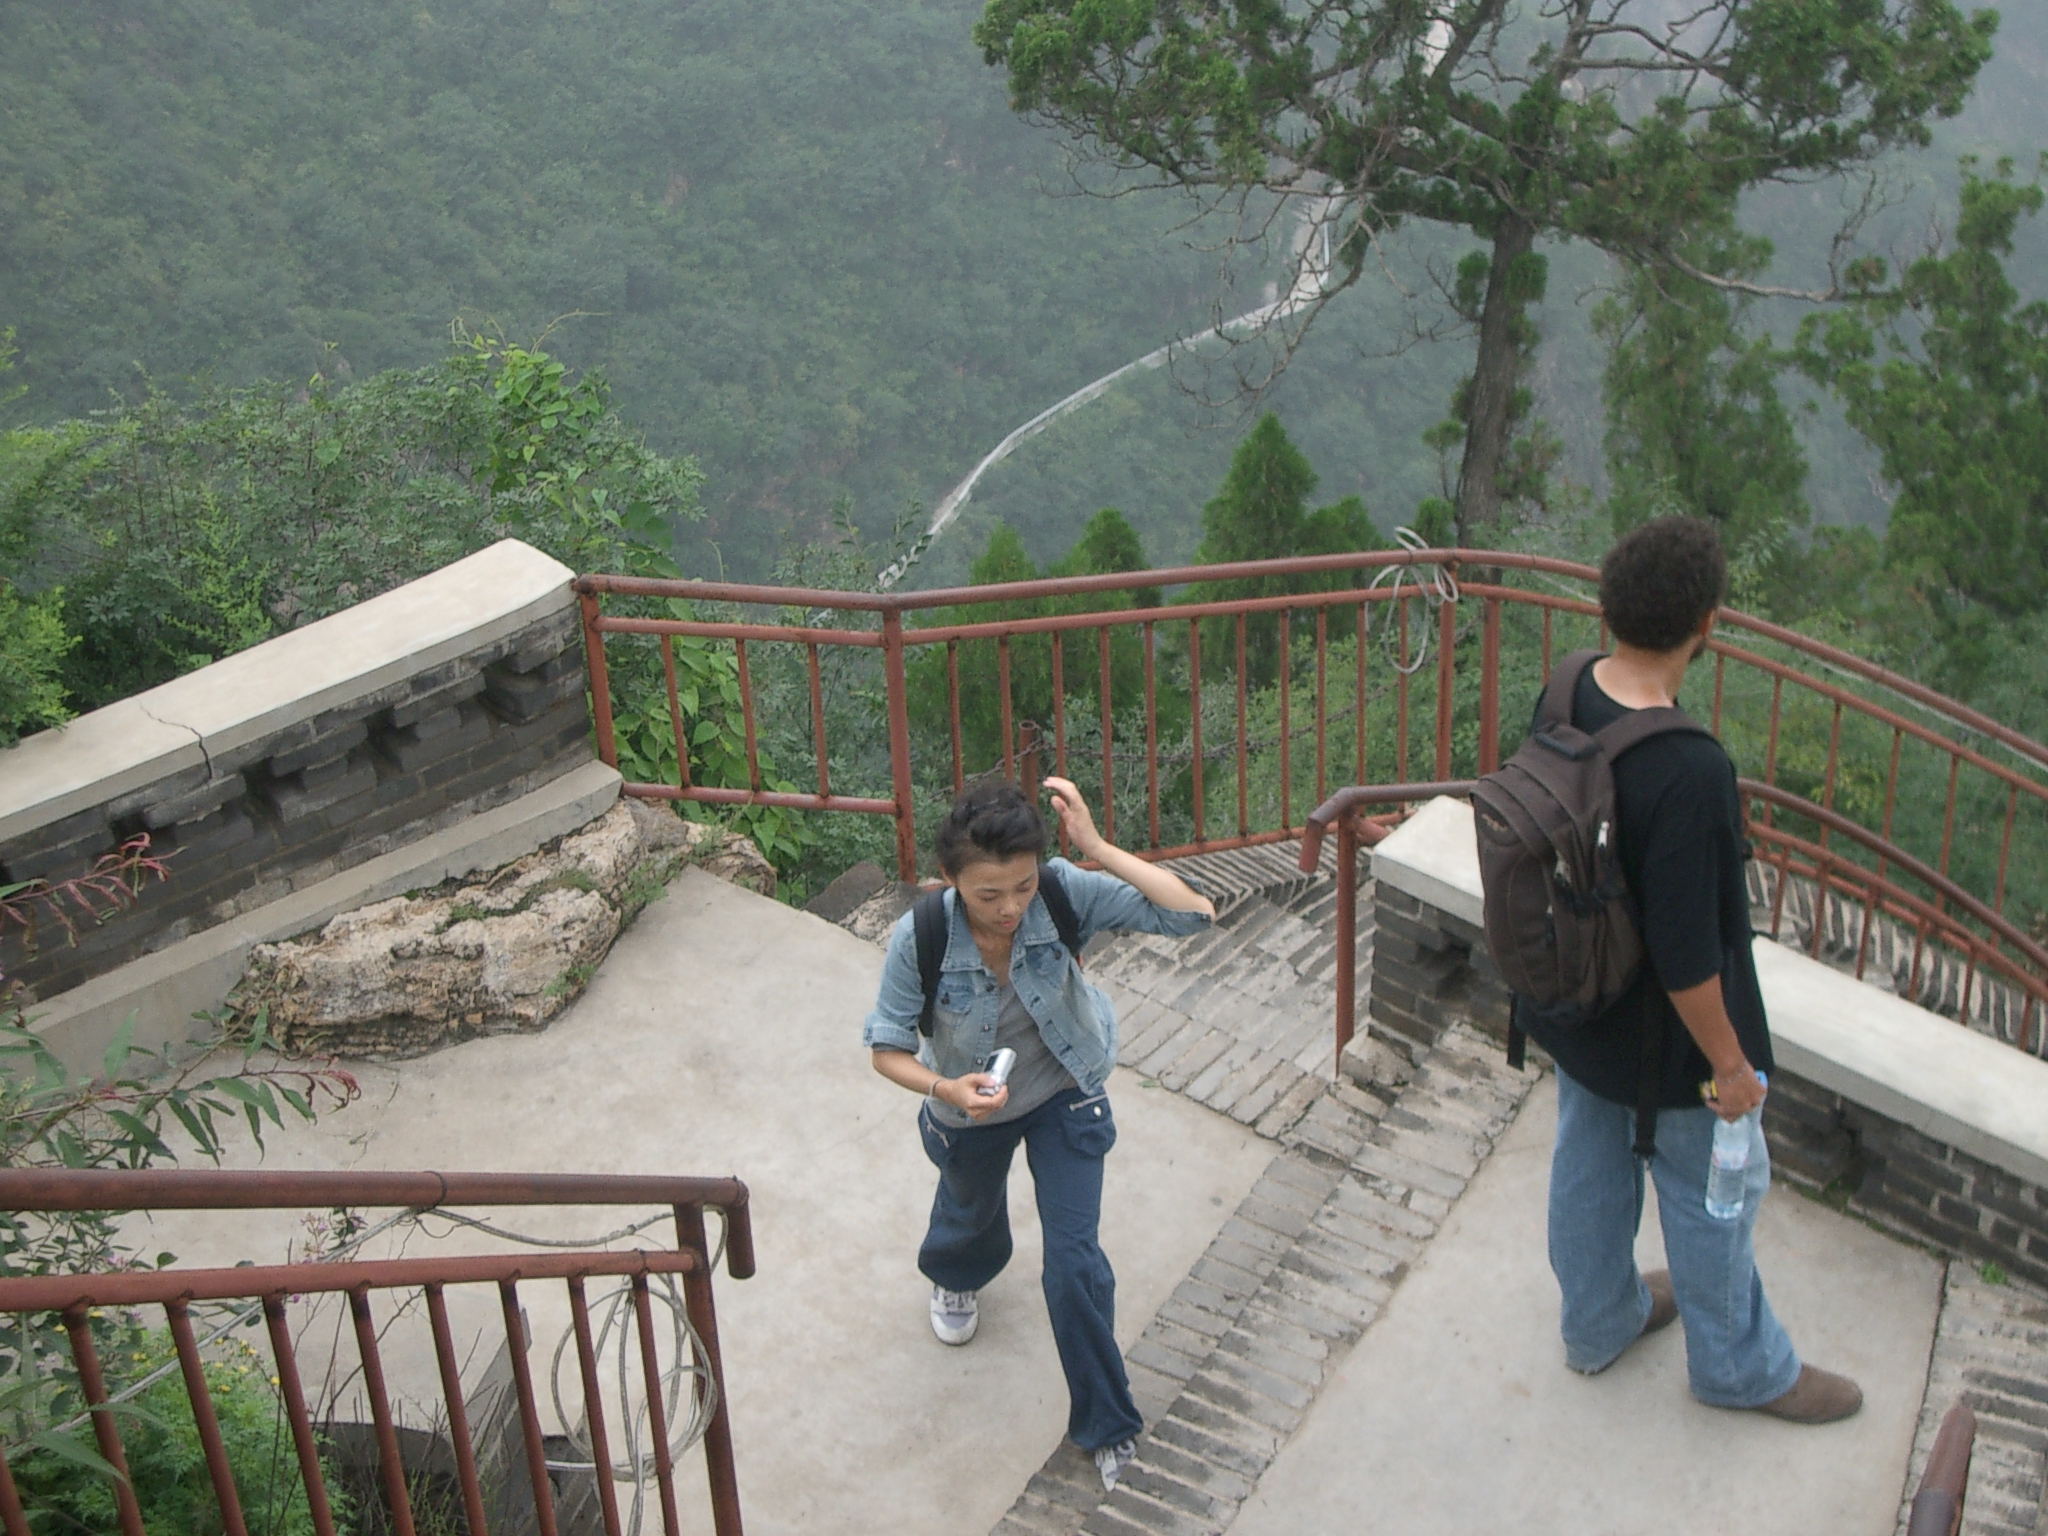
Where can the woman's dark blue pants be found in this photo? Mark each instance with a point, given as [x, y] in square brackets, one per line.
[1065, 1140]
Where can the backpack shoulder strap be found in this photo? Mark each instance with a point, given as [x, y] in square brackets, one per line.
[1639, 725]
[1060, 909]
[1556, 706]
[928, 919]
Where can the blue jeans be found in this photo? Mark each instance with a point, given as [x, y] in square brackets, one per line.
[1065, 1140]
[1737, 1354]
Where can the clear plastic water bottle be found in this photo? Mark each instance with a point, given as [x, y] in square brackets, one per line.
[1728, 1169]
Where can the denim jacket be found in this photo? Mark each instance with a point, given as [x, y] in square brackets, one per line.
[1075, 1019]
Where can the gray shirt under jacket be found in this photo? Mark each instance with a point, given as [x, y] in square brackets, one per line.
[1035, 1078]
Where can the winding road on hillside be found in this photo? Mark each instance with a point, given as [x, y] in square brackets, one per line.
[1311, 261]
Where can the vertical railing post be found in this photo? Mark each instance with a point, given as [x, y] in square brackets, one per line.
[697, 1303]
[899, 745]
[519, 1345]
[601, 686]
[459, 1437]
[1347, 935]
[391, 1458]
[1489, 688]
[657, 1418]
[593, 1407]
[293, 1393]
[13, 1518]
[1029, 771]
[1446, 683]
[205, 1420]
[93, 1384]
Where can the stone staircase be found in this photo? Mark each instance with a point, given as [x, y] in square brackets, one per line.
[1238, 1018]
[1233, 1361]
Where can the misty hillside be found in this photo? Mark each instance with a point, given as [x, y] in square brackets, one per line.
[806, 240]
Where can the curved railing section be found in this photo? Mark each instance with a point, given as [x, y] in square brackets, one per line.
[492, 1438]
[1894, 827]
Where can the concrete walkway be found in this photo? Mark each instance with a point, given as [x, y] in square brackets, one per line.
[1344, 1323]
[723, 1036]
[1456, 1413]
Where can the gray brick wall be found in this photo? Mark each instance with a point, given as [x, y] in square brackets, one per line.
[1905, 1181]
[319, 796]
[1430, 970]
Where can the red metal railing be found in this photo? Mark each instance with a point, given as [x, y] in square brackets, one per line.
[1433, 666]
[76, 1298]
[1937, 1507]
[2023, 969]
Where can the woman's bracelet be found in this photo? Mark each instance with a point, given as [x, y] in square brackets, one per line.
[932, 1089]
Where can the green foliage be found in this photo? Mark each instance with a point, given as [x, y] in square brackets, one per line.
[1695, 423]
[1947, 374]
[1261, 513]
[170, 534]
[708, 700]
[166, 1462]
[728, 196]
[162, 536]
[116, 1118]
[120, 1117]
[1482, 118]
[1109, 546]
[33, 647]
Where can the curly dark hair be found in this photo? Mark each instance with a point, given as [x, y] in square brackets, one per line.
[1661, 580]
[991, 820]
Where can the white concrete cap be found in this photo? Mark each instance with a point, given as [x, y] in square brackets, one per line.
[258, 692]
[1434, 857]
[1943, 1079]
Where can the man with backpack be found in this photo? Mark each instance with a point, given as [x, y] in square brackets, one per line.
[984, 975]
[1683, 1025]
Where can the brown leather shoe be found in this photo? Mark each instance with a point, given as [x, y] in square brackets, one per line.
[1817, 1397]
[1663, 1301]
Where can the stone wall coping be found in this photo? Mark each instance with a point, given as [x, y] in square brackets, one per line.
[161, 991]
[1939, 1077]
[243, 698]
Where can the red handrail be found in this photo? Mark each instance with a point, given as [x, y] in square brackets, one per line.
[1937, 1508]
[75, 1296]
[1967, 914]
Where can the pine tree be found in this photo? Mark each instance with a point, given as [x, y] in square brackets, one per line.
[1261, 513]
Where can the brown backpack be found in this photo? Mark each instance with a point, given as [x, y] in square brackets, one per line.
[1560, 919]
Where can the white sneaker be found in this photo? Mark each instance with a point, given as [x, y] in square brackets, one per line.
[1111, 1460]
[954, 1315]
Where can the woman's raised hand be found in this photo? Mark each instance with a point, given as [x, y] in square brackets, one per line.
[1075, 818]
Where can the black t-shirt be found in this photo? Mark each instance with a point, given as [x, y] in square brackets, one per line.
[1683, 850]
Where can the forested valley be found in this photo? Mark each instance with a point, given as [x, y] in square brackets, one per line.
[302, 299]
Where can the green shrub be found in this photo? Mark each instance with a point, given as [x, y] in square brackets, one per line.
[166, 1463]
[33, 646]
[172, 533]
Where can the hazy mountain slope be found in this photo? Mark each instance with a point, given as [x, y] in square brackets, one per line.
[814, 246]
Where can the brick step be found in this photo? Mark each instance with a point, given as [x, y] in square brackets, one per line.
[1232, 1363]
[1991, 1351]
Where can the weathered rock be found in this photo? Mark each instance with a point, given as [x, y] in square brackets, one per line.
[1374, 1065]
[873, 918]
[738, 860]
[492, 956]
